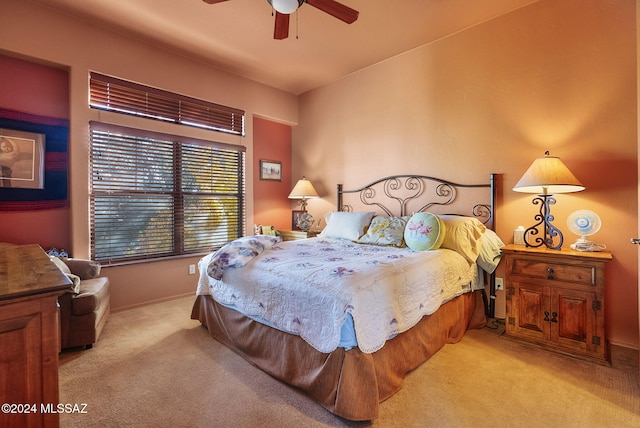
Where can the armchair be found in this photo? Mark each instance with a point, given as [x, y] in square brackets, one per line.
[83, 314]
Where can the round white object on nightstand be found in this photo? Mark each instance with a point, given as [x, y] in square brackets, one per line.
[584, 223]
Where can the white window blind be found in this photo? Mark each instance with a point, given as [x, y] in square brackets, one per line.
[122, 96]
[156, 195]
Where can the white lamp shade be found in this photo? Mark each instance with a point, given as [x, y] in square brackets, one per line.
[303, 190]
[548, 176]
[285, 6]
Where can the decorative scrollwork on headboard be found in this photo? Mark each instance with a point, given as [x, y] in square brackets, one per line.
[425, 192]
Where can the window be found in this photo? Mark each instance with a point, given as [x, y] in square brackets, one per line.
[156, 195]
[122, 96]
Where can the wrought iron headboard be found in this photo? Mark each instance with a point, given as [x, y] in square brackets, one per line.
[427, 192]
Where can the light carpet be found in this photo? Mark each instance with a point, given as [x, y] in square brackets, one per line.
[155, 367]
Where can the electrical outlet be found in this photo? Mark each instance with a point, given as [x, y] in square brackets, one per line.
[499, 284]
[192, 269]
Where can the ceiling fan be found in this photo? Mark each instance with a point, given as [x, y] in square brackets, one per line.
[284, 8]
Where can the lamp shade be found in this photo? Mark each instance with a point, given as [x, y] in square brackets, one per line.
[547, 176]
[285, 6]
[303, 190]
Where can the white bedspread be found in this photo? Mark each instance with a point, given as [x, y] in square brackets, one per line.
[307, 287]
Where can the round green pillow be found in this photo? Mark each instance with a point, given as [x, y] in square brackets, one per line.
[424, 231]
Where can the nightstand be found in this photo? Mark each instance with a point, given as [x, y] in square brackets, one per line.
[555, 299]
[292, 235]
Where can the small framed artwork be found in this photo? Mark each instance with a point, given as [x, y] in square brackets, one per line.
[294, 219]
[270, 170]
[21, 159]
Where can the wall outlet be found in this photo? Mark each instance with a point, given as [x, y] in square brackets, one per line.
[499, 284]
[192, 269]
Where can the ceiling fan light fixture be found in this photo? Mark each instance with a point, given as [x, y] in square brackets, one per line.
[286, 6]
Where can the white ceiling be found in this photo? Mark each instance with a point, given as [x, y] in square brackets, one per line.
[237, 35]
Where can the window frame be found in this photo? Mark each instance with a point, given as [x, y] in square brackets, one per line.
[177, 192]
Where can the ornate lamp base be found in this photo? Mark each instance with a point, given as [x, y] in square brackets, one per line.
[544, 218]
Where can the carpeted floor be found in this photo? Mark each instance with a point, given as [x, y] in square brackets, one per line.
[155, 367]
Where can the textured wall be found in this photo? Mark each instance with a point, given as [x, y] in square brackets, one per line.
[556, 75]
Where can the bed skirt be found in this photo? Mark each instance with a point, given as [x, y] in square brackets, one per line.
[350, 384]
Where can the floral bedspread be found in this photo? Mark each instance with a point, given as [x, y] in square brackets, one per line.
[308, 286]
[238, 253]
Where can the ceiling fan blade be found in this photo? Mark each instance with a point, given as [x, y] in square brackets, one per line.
[213, 1]
[281, 28]
[338, 10]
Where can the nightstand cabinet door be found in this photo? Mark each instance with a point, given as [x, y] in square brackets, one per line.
[556, 300]
[574, 325]
[526, 311]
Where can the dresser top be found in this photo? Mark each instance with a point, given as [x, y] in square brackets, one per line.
[565, 252]
[25, 270]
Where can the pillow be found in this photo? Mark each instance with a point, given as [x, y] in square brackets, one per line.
[424, 231]
[60, 264]
[385, 231]
[464, 235]
[75, 279]
[85, 269]
[327, 217]
[347, 225]
[490, 253]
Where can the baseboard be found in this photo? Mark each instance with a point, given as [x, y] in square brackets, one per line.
[151, 302]
[625, 344]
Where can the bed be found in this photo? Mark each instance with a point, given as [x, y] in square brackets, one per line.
[345, 316]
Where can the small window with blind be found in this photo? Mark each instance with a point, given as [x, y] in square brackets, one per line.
[155, 195]
[122, 96]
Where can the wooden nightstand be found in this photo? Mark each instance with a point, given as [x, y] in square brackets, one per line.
[556, 300]
[292, 235]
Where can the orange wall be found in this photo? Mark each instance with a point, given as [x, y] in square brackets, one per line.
[41, 90]
[556, 75]
[272, 141]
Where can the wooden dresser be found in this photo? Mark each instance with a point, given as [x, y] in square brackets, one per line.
[556, 300]
[29, 336]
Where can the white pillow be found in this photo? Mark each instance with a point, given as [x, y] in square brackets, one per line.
[347, 225]
[490, 253]
[75, 279]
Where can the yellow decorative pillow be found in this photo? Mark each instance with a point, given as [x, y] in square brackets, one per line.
[385, 231]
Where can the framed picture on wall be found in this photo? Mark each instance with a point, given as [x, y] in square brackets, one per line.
[270, 170]
[21, 159]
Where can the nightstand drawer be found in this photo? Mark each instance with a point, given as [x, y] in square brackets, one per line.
[532, 268]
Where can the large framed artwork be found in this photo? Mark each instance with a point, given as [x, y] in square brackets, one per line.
[270, 170]
[22, 156]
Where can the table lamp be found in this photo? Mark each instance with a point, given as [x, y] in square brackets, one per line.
[546, 176]
[303, 190]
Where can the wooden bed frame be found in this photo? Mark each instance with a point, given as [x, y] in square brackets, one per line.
[352, 384]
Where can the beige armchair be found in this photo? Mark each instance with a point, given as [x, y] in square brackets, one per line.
[83, 314]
